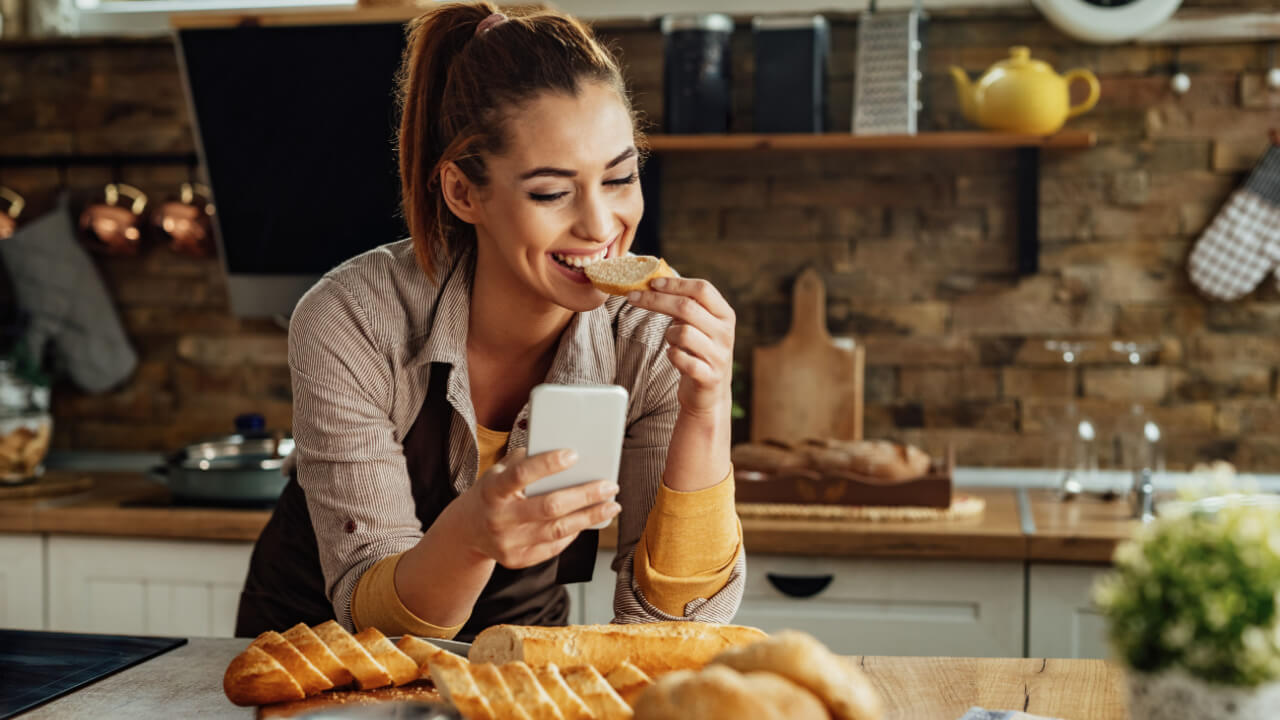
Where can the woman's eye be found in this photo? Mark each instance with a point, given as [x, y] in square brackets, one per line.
[623, 181]
[546, 197]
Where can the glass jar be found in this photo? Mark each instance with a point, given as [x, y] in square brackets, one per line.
[25, 427]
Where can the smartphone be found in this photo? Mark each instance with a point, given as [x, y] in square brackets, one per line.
[590, 419]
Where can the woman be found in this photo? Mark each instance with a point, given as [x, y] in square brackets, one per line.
[412, 366]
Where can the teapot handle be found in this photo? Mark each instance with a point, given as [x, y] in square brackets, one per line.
[1095, 91]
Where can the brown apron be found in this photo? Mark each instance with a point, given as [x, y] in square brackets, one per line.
[285, 585]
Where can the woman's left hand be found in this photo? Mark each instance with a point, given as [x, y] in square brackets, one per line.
[701, 340]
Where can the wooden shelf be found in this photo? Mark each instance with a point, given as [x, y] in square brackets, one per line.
[968, 140]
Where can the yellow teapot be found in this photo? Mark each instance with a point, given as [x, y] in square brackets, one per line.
[1022, 95]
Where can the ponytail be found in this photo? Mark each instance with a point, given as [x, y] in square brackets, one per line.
[454, 87]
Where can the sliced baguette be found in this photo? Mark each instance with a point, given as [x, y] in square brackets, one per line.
[570, 705]
[590, 685]
[367, 671]
[452, 677]
[399, 666]
[420, 651]
[256, 678]
[528, 693]
[490, 683]
[629, 681]
[655, 648]
[313, 648]
[621, 275]
[308, 676]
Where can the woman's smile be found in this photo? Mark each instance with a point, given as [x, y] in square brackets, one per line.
[573, 263]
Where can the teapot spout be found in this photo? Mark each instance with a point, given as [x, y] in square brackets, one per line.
[964, 93]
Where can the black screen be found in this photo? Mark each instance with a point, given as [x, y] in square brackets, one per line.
[297, 127]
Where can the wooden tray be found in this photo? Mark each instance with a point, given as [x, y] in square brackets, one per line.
[812, 487]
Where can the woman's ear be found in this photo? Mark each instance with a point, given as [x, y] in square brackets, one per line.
[460, 194]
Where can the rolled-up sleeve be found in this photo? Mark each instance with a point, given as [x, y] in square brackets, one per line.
[644, 457]
[350, 464]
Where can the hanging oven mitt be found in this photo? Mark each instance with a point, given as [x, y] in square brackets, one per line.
[1242, 244]
[59, 287]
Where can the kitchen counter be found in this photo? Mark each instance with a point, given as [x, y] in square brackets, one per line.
[187, 682]
[1034, 526]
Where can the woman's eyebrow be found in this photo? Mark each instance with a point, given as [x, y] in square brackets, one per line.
[564, 172]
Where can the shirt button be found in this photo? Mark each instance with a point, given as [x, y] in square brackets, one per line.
[350, 527]
[523, 424]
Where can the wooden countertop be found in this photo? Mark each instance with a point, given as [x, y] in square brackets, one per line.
[1084, 530]
[187, 682]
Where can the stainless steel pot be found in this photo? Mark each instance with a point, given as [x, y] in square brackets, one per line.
[231, 470]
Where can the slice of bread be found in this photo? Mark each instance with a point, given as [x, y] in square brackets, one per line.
[314, 649]
[494, 688]
[452, 677]
[629, 681]
[528, 693]
[590, 685]
[621, 275]
[368, 672]
[256, 678]
[307, 675]
[400, 666]
[571, 706]
[420, 651]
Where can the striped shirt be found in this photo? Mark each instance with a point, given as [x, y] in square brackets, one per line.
[361, 345]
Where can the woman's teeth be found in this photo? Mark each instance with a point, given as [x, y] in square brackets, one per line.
[579, 261]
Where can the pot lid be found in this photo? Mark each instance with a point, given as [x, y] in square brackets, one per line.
[238, 451]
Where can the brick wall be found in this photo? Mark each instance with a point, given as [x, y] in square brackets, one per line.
[916, 248]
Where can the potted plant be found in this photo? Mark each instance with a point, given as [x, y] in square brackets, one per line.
[1193, 610]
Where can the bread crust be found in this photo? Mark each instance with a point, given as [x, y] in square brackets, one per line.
[800, 658]
[719, 693]
[655, 648]
[256, 678]
[660, 271]
[367, 672]
[313, 648]
[528, 693]
[400, 667]
[309, 678]
[628, 681]
[570, 705]
[590, 685]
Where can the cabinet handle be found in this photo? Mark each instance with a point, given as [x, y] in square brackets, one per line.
[799, 586]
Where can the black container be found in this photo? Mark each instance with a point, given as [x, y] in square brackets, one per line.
[696, 76]
[791, 74]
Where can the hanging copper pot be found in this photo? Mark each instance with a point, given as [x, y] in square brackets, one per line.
[9, 218]
[110, 227]
[186, 223]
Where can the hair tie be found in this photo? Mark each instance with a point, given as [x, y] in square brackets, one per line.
[490, 23]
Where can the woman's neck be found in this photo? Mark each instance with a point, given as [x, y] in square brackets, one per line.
[508, 321]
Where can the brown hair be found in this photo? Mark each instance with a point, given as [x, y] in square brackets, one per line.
[456, 89]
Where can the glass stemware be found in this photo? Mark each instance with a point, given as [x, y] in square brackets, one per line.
[1139, 439]
[1075, 439]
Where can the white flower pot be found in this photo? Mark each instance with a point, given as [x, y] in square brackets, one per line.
[1175, 695]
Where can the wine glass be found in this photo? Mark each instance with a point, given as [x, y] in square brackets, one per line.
[1075, 438]
[1139, 438]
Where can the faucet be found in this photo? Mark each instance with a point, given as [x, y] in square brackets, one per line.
[1142, 496]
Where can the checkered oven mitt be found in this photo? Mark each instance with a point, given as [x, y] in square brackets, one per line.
[1242, 244]
[59, 286]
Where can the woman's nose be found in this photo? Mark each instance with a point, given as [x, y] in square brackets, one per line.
[596, 220]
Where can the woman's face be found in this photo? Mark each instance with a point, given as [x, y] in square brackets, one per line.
[565, 194]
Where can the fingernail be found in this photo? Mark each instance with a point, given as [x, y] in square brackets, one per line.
[568, 456]
[658, 283]
[614, 508]
[609, 490]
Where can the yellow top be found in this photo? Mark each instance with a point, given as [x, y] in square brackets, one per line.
[701, 539]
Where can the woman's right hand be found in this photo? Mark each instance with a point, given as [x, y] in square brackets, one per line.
[501, 523]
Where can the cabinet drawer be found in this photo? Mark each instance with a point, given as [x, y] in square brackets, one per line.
[890, 607]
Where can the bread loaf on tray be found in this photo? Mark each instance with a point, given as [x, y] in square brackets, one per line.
[654, 648]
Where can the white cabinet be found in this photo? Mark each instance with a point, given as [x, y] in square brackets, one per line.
[1063, 620]
[155, 587]
[868, 606]
[890, 607]
[22, 582]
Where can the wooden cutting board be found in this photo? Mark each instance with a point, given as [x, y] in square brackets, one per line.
[810, 384]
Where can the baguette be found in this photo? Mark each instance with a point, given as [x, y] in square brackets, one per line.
[570, 705]
[654, 648]
[399, 666]
[718, 693]
[590, 685]
[420, 651]
[310, 679]
[256, 678]
[528, 693]
[621, 275]
[629, 681]
[367, 672]
[313, 648]
[490, 684]
[452, 676]
[800, 658]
